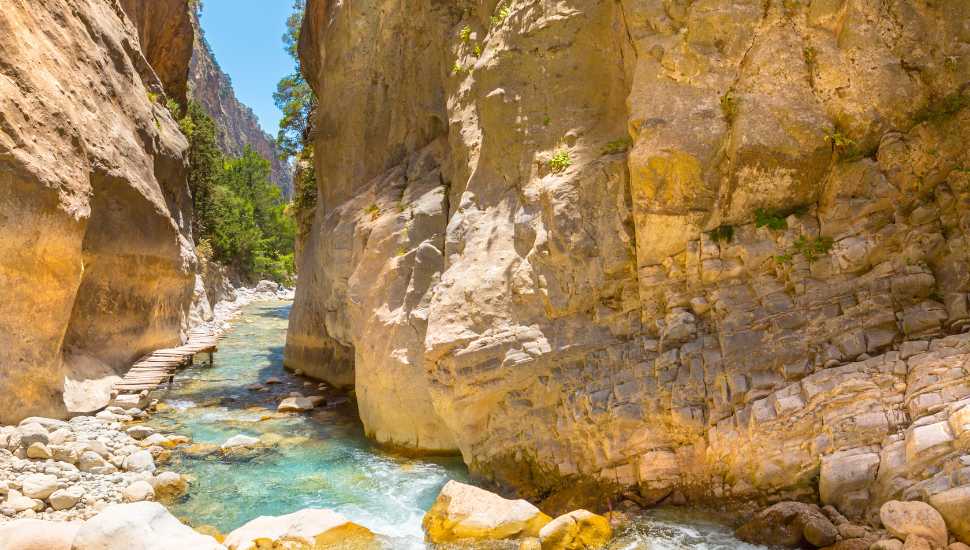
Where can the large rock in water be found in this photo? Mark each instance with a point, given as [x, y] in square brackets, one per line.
[95, 236]
[303, 529]
[578, 530]
[139, 526]
[34, 534]
[462, 511]
[791, 525]
[914, 518]
[558, 322]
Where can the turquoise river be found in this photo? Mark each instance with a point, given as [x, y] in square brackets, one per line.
[324, 460]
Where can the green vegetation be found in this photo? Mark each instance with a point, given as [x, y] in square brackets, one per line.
[618, 146]
[373, 210]
[466, 32]
[839, 140]
[813, 250]
[729, 105]
[937, 111]
[951, 63]
[777, 219]
[809, 54]
[782, 258]
[560, 159]
[403, 250]
[937, 295]
[725, 233]
[239, 216]
[478, 50]
[546, 121]
[457, 68]
[503, 12]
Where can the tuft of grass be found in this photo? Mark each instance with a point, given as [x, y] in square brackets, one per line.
[782, 258]
[546, 121]
[729, 106]
[403, 250]
[618, 146]
[457, 68]
[560, 159]
[725, 233]
[937, 295]
[813, 250]
[466, 32]
[478, 50]
[941, 109]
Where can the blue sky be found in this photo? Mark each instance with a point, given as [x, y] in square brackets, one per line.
[246, 37]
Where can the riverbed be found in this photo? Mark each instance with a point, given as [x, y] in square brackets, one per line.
[323, 459]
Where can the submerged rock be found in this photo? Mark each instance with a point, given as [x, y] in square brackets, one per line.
[240, 441]
[463, 511]
[303, 529]
[789, 524]
[139, 526]
[295, 404]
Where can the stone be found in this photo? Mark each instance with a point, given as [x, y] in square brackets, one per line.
[156, 439]
[49, 424]
[530, 544]
[317, 400]
[463, 511]
[39, 486]
[848, 531]
[789, 524]
[33, 433]
[61, 436]
[240, 441]
[851, 544]
[914, 518]
[256, 387]
[887, 544]
[953, 505]
[140, 432]
[916, 542]
[140, 462]
[577, 530]
[168, 485]
[90, 460]
[955, 546]
[304, 529]
[63, 499]
[33, 534]
[295, 404]
[63, 453]
[273, 380]
[139, 526]
[130, 401]
[38, 451]
[138, 491]
[18, 502]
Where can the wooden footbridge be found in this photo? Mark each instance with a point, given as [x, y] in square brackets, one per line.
[155, 368]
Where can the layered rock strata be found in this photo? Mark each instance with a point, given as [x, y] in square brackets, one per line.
[96, 252]
[709, 246]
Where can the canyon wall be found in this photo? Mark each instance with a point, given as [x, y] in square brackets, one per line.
[96, 257]
[238, 125]
[702, 245]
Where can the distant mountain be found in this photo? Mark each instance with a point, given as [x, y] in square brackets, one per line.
[237, 123]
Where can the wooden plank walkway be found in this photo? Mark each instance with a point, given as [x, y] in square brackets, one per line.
[157, 367]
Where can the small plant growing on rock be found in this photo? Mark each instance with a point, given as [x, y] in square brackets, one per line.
[937, 295]
[941, 109]
[771, 218]
[457, 68]
[809, 54]
[478, 50]
[373, 210]
[560, 159]
[403, 250]
[813, 250]
[839, 140]
[725, 233]
[782, 258]
[546, 121]
[618, 146]
[466, 32]
[729, 105]
[951, 63]
[505, 11]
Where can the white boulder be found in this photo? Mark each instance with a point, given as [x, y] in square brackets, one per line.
[139, 526]
[303, 529]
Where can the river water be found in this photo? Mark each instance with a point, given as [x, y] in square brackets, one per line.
[323, 459]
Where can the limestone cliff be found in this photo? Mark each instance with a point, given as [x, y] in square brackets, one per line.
[96, 257]
[166, 36]
[237, 123]
[662, 244]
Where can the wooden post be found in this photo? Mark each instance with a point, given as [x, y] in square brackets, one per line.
[211, 361]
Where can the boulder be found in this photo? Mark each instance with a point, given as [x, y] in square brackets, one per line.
[139, 491]
[140, 462]
[95, 447]
[18, 502]
[156, 439]
[851, 544]
[140, 432]
[38, 451]
[139, 526]
[267, 287]
[462, 511]
[317, 400]
[39, 486]
[62, 499]
[240, 441]
[577, 530]
[914, 518]
[887, 544]
[273, 380]
[34, 534]
[63, 453]
[256, 387]
[168, 485]
[90, 460]
[33, 433]
[130, 401]
[295, 404]
[916, 542]
[61, 436]
[789, 524]
[49, 424]
[303, 529]
[953, 505]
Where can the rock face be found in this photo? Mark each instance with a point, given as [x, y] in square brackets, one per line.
[466, 512]
[95, 243]
[166, 36]
[237, 123]
[665, 245]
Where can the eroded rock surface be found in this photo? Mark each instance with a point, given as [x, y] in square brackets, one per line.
[95, 236]
[715, 247]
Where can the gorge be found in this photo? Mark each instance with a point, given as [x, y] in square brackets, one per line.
[637, 252]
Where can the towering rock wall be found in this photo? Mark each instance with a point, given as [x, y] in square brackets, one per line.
[96, 257]
[764, 207]
[237, 123]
